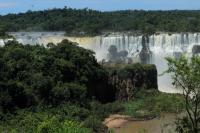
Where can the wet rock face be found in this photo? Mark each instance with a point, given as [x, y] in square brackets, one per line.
[129, 79]
[117, 57]
[124, 88]
[145, 54]
[196, 49]
[177, 55]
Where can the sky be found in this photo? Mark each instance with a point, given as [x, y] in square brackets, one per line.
[16, 6]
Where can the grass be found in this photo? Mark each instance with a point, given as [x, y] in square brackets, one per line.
[148, 104]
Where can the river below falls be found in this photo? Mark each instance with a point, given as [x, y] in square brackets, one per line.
[164, 124]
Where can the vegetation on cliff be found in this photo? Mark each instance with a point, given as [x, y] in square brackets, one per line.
[131, 78]
[61, 88]
[91, 22]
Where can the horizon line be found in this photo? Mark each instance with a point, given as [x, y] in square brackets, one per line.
[148, 10]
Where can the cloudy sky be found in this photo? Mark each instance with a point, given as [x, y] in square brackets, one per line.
[15, 6]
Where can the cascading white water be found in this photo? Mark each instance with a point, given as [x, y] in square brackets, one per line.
[1, 42]
[162, 45]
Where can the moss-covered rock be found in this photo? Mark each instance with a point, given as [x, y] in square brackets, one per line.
[196, 49]
[128, 79]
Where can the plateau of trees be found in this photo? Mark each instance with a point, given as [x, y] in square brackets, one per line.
[92, 22]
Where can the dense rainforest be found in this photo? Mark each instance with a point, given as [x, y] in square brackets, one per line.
[51, 89]
[92, 22]
[33, 74]
[62, 89]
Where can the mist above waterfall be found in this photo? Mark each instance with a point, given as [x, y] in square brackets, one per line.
[159, 45]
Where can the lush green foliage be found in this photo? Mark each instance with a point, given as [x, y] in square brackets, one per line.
[50, 89]
[31, 75]
[186, 74]
[76, 119]
[86, 21]
[153, 103]
[66, 118]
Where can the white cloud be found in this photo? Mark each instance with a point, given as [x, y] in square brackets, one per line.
[6, 4]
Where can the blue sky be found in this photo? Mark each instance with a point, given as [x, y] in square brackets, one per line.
[15, 6]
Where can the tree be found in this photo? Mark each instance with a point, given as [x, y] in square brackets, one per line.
[186, 75]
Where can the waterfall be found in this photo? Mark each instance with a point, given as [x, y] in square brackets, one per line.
[161, 45]
[1, 42]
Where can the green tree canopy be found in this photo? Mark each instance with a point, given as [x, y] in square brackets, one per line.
[186, 74]
[31, 75]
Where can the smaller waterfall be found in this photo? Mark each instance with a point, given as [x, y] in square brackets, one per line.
[1, 42]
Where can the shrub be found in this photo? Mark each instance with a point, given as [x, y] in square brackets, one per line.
[95, 124]
[53, 125]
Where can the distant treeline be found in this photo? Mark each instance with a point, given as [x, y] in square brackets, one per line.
[87, 21]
